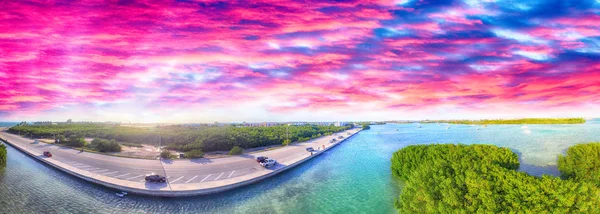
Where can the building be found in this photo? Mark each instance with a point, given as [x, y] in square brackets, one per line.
[43, 123]
[341, 123]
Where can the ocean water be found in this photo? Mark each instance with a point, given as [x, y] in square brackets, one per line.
[353, 177]
[8, 124]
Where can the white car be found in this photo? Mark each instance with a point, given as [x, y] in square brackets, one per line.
[268, 163]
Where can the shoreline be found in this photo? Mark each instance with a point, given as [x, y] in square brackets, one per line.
[180, 190]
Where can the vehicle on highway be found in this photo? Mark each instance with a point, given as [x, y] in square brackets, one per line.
[310, 149]
[340, 137]
[155, 178]
[268, 163]
[261, 159]
[36, 141]
[47, 154]
[332, 140]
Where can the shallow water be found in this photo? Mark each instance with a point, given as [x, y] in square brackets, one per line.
[354, 177]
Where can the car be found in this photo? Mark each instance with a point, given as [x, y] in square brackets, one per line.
[268, 163]
[36, 141]
[332, 140]
[310, 149]
[261, 159]
[340, 137]
[155, 178]
[47, 154]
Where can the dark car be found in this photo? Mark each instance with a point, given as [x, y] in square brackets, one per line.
[310, 149]
[155, 178]
[47, 154]
[261, 159]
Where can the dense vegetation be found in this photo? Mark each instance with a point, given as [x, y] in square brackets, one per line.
[74, 142]
[236, 150]
[182, 138]
[365, 126]
[196, 153]
[102, 145]
[166, 154]
[482, 179]
[515, 121]
[582, 163]
[3, 154]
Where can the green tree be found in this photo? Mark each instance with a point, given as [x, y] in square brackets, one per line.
[236, 150]
[365, 126]
[286, 142]
[581, 163]
[75, 142]
[182, 138]
[482, 179]
[166, 154]
[102, 145]
[3, 155]
[196, 153]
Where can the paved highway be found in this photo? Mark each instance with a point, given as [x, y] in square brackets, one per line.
[177, 171]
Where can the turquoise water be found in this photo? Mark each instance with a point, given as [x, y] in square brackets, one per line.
[8, 124]
[354, 177]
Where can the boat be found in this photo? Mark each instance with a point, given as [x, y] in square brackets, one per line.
[396, 129]
[121, 194]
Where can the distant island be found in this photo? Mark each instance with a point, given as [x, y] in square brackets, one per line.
[513, 121]
[447, 178]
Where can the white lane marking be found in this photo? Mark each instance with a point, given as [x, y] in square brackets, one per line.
[176, 179]
[78, 164]
[219, 176]
[122, 175]
[90, 169]
[134, 177]
[205, 178]
[191, 179]
[103, 170]
[231, 174]
[110, 173]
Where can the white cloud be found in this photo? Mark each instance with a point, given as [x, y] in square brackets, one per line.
[533, 55]
[274, 45]
[508, 34]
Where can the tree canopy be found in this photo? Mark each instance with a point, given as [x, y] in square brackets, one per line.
[3, 155]
[102, 145]
[581, 163]
[182, 138]
[482, 178]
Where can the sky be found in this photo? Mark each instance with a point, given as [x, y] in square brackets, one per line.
[285, 60]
